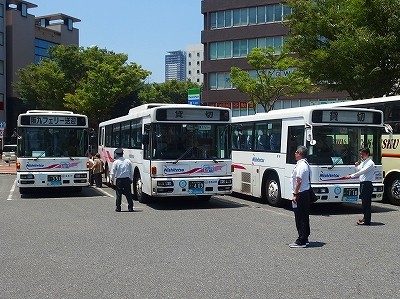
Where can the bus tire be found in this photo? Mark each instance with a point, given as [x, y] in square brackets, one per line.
[273, 191]
[393, 191]
[138, 189]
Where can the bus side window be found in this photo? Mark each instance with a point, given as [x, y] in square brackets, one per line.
[295, 138]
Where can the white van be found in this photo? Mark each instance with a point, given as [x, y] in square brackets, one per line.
[9, 153]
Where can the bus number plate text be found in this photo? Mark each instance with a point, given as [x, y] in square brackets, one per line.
[54, 179]
[196, 187]
[350, 194]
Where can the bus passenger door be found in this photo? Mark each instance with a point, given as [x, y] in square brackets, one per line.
[295, 137]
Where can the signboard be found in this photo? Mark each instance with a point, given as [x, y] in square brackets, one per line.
[194, 96]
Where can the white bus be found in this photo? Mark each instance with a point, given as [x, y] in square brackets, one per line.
[264, 145]
[175, 149]
[390, 106]
[52, 150]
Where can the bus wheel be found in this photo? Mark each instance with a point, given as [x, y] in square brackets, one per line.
[273, 191]
[393, 191]
[138, 190]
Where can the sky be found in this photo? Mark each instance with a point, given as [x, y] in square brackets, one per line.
[145, 30]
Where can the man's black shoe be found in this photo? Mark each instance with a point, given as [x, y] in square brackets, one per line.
[117, 210]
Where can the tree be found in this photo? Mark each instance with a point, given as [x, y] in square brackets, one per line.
[350, 45]
[171, 91]
[88, 81]
[276, 75]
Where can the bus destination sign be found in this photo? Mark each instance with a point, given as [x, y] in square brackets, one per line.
[52, 120]
[191, 114]
[346, 116]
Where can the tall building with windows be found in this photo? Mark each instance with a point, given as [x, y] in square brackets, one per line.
[231, 30]
[28, 38]
[175, 66]
[194, 58]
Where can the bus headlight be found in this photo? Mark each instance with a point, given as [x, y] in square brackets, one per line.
[28, 176]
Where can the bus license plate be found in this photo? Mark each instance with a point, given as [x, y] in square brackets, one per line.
[196, 187]
[350, 194]
[54, 179]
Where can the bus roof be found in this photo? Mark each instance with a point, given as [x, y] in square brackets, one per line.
[303, 111]
[364, 102]
[145, 109]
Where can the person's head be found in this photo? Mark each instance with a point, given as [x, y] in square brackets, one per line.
[364, 153]
[119, 152]
[301, 152]
[97, 155]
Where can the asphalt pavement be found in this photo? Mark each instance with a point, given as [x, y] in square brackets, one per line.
[60, 245]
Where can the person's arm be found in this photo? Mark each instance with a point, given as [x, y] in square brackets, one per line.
[296, 189]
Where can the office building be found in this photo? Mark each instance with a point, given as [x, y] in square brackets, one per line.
[194, 58]
[175, 66]
[231, 30]
[27, 39]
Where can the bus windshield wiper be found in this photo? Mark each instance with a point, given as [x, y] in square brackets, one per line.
[338, 160]
[184, 154]
[41, 155]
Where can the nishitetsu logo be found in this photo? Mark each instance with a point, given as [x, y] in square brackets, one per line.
[64, 165]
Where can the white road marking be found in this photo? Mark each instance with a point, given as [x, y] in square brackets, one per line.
[12, 190]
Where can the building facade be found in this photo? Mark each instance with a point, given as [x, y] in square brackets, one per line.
[175, 66]
[194, 57]
[27, 39]
[231, 30]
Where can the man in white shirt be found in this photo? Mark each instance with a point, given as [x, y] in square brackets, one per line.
[122, 175]
[365, 171]
[301, 197]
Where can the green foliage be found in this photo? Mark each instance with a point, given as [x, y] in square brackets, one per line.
[277, 75]
[89, 81]
[171, 91]
[350, 45]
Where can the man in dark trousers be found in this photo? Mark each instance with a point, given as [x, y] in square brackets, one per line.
[365, 171]
[301, 197]
[122, 175]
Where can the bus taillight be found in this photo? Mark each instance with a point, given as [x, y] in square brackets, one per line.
[153, 170]
[18, 165]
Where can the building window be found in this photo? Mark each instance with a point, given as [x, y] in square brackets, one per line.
[1, 10]
[41, 49]
[1, 38]
[240, 48]
[249, 16]
[69, 24]
[220, 81]
[24, 9]
[1, 67]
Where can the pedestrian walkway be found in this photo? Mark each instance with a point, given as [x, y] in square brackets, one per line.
[6, 168]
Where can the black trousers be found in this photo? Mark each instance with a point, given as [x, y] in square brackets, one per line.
[302, 216]
[123, 187]
[366, 190]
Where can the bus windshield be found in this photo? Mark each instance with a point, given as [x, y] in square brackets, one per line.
[190, 141]
[38, 142]
[341, 145]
